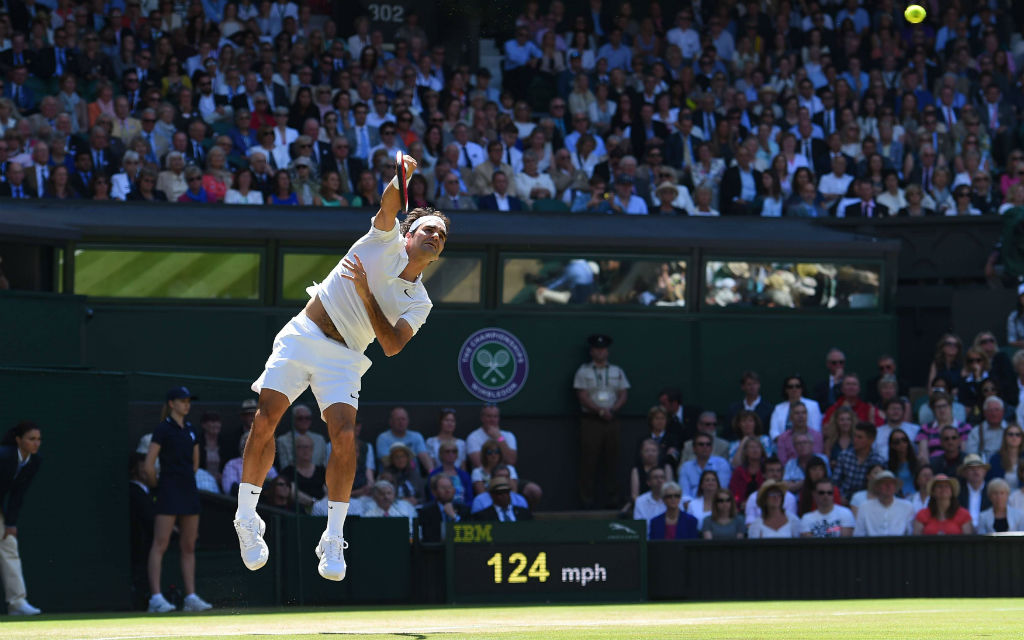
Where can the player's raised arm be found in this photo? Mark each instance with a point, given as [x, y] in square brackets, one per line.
[391, 200]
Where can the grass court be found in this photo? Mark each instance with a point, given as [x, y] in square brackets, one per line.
[931, 619]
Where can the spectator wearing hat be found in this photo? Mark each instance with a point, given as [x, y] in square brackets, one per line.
[502, 509]
[943, 515]
[407, 480]
[852, 465]
[828, 520]
[973, 497]
[624, 201]
[441, 512]
[1000, 517]
[773, 472]
[602, 389]
[775, 521]
[247, 413]
[302, 420]
[666, 194]
[885, 515]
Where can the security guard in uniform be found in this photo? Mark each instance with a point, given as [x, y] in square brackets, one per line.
[601, 388]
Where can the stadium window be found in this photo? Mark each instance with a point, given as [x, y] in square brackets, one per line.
[182, 274]
[452, 279]
[792, 284]
[564, 281]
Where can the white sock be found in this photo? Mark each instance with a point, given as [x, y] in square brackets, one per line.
[248, 496]
[336, 512]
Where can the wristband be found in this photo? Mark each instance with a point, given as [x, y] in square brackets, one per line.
[501, 438]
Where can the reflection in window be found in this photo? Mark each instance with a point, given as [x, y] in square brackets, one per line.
[117, 273]
[574, 281]
[793, 285]
[451, 279]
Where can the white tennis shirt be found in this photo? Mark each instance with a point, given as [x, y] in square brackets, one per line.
[383, 254]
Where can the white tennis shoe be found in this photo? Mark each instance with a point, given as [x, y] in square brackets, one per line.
[250, 541]
[158, 604]
[22, 608]
[194, 603]
[331, 551]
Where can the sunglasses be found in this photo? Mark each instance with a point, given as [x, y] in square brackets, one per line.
[702, 444]
[1014, 434]
[973, 359]
[195, 179]
[491, 451]
[901, 441]
[823, 493]
[794, 386]
[837, 361]
[723, 501]
[672, 495]
[950, 438]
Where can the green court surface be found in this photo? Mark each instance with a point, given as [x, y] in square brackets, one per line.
[911, 619]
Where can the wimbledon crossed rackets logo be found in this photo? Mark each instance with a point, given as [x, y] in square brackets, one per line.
[493, 364]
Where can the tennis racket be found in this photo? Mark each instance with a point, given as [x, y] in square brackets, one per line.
[403, 194]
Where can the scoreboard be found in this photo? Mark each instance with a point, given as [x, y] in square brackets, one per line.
[546, 561]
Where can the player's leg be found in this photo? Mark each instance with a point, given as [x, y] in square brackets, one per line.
[163, 525]
[188, 532]
[257, 459]
[341, 472]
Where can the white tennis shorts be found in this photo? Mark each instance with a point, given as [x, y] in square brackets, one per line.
[304, 357]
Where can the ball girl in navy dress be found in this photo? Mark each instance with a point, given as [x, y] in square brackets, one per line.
[175, 444]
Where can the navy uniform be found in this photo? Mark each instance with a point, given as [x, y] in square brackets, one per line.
[599, 434]
[176, 492]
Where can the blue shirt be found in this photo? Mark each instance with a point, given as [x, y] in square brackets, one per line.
[793, 472]
[618, 58]
[412, 439]
[577, 272]
[517, 55]
[690, 471]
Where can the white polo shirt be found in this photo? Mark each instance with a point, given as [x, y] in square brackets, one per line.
[383, 254]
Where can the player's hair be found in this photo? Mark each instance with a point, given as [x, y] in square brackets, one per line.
[419, 212]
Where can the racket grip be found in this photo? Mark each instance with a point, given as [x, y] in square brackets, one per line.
[403, 194]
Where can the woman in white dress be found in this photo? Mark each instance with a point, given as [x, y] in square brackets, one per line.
[774, 522]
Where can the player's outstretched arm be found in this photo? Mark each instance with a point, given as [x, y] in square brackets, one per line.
[392, 337]
[391, 201]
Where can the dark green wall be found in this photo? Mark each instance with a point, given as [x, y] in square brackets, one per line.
[41, 329]
[73, 529]
[702, 354]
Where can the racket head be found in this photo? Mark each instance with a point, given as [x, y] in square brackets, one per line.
[400, 174]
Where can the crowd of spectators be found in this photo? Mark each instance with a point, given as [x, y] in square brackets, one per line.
[440, 479]
[840, 458]
[749, 107]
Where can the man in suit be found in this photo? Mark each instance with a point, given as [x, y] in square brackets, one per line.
[827, 118]
[19, 463]
[362, 136]
[195, 152]
[81, 177]
[681, 148]
[999, 119]
[868, 207]
[750, 384]
[19, 54]
[451, 196]
[931, 131]
[38, 172]
[972, 472]
[14, 186]
[277, 93]
[741, 184]
[438, 515]
[15, 89]
[481, 176]
[682, 419]
[242, 136]
[341, 160]
[502, 510]
[827, 392]
[499, 198]
[52, 62]
[646, 130]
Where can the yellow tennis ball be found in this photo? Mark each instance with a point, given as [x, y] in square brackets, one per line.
[915, 13]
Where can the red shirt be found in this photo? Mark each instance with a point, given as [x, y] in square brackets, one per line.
[865, 412]
[950, 527]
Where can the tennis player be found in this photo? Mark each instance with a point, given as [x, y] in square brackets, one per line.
[374, 292]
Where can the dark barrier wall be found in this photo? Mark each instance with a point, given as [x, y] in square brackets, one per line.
[73, 529]
[912, 567]
[702, 354]
[42, 329]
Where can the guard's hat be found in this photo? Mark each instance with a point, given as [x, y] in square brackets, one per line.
[599, 340]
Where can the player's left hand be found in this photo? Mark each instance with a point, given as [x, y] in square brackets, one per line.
[357, 274]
